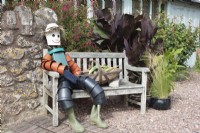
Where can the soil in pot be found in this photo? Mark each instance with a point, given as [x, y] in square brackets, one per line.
[160, 104]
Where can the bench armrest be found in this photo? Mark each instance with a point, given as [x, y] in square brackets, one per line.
[52, 74]
[137, 69]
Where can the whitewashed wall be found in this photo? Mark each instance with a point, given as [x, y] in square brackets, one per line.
[3, 1]
[89, 9]
[127, 6]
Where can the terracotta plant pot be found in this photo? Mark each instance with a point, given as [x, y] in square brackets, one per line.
[160, 104]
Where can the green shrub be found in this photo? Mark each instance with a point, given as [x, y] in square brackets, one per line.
[177, 36]
[164, 69]
[197, 64]
[77, 28]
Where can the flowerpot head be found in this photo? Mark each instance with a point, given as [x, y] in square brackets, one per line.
[52, 34]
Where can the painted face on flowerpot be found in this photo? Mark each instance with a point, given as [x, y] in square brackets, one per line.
[52, 34]
[53, 38]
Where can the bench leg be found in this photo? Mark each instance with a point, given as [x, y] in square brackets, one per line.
[55, 103]
[143, 103]
[143, 95]
[55, 114]
[126, 100]
[45, 96]
[45, 102]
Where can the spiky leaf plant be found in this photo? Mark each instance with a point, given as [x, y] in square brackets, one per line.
[164, 68]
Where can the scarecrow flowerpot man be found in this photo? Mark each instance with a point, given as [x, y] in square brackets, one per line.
[56, 60]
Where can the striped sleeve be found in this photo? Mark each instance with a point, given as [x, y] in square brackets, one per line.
[50, 65]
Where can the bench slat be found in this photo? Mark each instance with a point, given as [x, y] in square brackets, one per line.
[114, 62]
[103, 62]
[98, 60]
[125, 87]
[96, 54]
[84, 64]
[109, 62]
[78, 61]
[120, 67]
[83, 94]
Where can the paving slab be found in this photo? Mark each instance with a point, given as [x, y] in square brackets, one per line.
[44, 125]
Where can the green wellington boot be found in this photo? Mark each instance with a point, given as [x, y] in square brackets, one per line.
[75, 125]
[95, 117]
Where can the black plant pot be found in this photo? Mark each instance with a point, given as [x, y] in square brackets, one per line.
[160, 104]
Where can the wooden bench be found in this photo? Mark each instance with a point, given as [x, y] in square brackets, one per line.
[50, 80]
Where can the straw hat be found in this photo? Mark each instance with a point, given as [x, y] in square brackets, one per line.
[51, 27]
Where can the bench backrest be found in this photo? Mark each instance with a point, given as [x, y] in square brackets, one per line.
[84, 60]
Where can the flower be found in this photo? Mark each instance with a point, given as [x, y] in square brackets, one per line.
[54, 8]
[88, 43]
[65, 8]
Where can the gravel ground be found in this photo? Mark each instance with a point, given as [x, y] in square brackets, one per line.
[183, 117]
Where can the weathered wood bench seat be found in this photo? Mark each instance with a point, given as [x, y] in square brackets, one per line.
[50, 80]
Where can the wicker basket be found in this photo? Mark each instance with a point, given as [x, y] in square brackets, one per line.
[103, 77]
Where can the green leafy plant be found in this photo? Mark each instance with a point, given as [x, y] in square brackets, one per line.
[164, 68]
[78, 30]
[197, 64]
[177, 35]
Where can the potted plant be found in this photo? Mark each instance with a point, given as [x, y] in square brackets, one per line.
[164, 69]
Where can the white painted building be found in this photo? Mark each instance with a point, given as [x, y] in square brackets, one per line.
[186, 12]
[2, 1]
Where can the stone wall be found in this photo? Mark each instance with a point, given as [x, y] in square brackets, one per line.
[21, 44]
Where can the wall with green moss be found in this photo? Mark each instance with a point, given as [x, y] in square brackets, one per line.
[21, 44]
